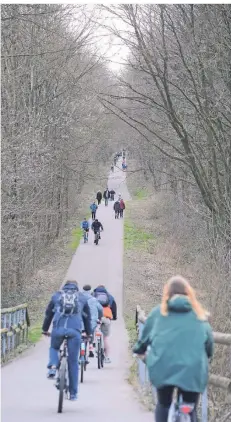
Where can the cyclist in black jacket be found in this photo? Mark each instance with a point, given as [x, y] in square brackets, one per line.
[96, 226]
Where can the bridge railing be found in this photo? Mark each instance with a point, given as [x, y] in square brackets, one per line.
[215, 380]
[14, 328]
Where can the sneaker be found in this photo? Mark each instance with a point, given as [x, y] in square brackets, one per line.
[73, 397]
[91, 354]
[107, 359]
[51, 373]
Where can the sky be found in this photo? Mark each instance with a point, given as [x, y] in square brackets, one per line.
[109, 45]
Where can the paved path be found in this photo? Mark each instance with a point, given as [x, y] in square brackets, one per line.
[27, 396]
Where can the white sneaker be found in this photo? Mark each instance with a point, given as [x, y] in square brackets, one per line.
[107, 359]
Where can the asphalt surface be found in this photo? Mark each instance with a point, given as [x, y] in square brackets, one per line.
[27, 396]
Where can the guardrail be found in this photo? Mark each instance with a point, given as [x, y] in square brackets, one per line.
[215, 380]
[14, 328]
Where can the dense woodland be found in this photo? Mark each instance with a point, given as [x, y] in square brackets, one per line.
[60, 100]
[176, 93]
[54, 130]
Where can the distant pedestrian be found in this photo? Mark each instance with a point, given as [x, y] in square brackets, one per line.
[99, 197]
[117, 208]
[122, 208]
[93, 208]
[106, 196]
[112, 194]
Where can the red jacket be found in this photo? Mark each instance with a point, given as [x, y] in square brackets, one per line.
[122, 204]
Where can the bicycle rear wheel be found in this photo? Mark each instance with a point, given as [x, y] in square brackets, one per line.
[82, 363]
[62, 382]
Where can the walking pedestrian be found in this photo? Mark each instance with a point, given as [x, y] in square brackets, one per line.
[106, 196]
[93, 208]
[122, 208]
[99, 197]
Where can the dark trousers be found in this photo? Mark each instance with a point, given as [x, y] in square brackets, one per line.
[121, 213]
[73, 344]
[164, 396]
[93, 215]
[99, 201]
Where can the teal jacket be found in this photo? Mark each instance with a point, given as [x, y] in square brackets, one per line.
[180, 346]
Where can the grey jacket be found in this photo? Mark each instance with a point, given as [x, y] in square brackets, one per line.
[95, 307]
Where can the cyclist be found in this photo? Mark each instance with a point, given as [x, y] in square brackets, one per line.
[99, 197]
[106, 196]
[109, 313]
[122, 207]
[85, 226]
[93, 208]
[68, 308]
[96, 226]
[180, 343]
[117, 209]
[96, 313]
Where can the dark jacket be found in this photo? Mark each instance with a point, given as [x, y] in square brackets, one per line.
[96, 226]
[116, 206]
[106, 194]
[112, 302]
[71, 321]
[180, 346]
[99, 195]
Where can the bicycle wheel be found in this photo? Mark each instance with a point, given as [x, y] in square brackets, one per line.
[85, 357]
[82, 370]
[102, 357]
[62, 382]
[99, 353]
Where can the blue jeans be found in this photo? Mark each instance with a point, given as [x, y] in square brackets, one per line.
[73, 345]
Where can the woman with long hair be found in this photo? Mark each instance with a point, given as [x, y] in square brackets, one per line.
[180, 344]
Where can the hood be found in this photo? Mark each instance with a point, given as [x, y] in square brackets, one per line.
[179, 304]
[87, 294]
[70, 286]
[100, 289]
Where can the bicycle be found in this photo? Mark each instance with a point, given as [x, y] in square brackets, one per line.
[180, 411]
[97, 237]
[85, 236]
[62, 381]
[99, 345]
[83, 357]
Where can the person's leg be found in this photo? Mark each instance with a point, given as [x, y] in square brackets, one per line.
[164, 400]
[73, 344]
[56, 341]
[105, 328]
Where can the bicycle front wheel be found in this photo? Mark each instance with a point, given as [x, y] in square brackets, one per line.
[62, 381]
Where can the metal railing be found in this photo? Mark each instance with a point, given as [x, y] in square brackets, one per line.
[215, 380]
[14, 328]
